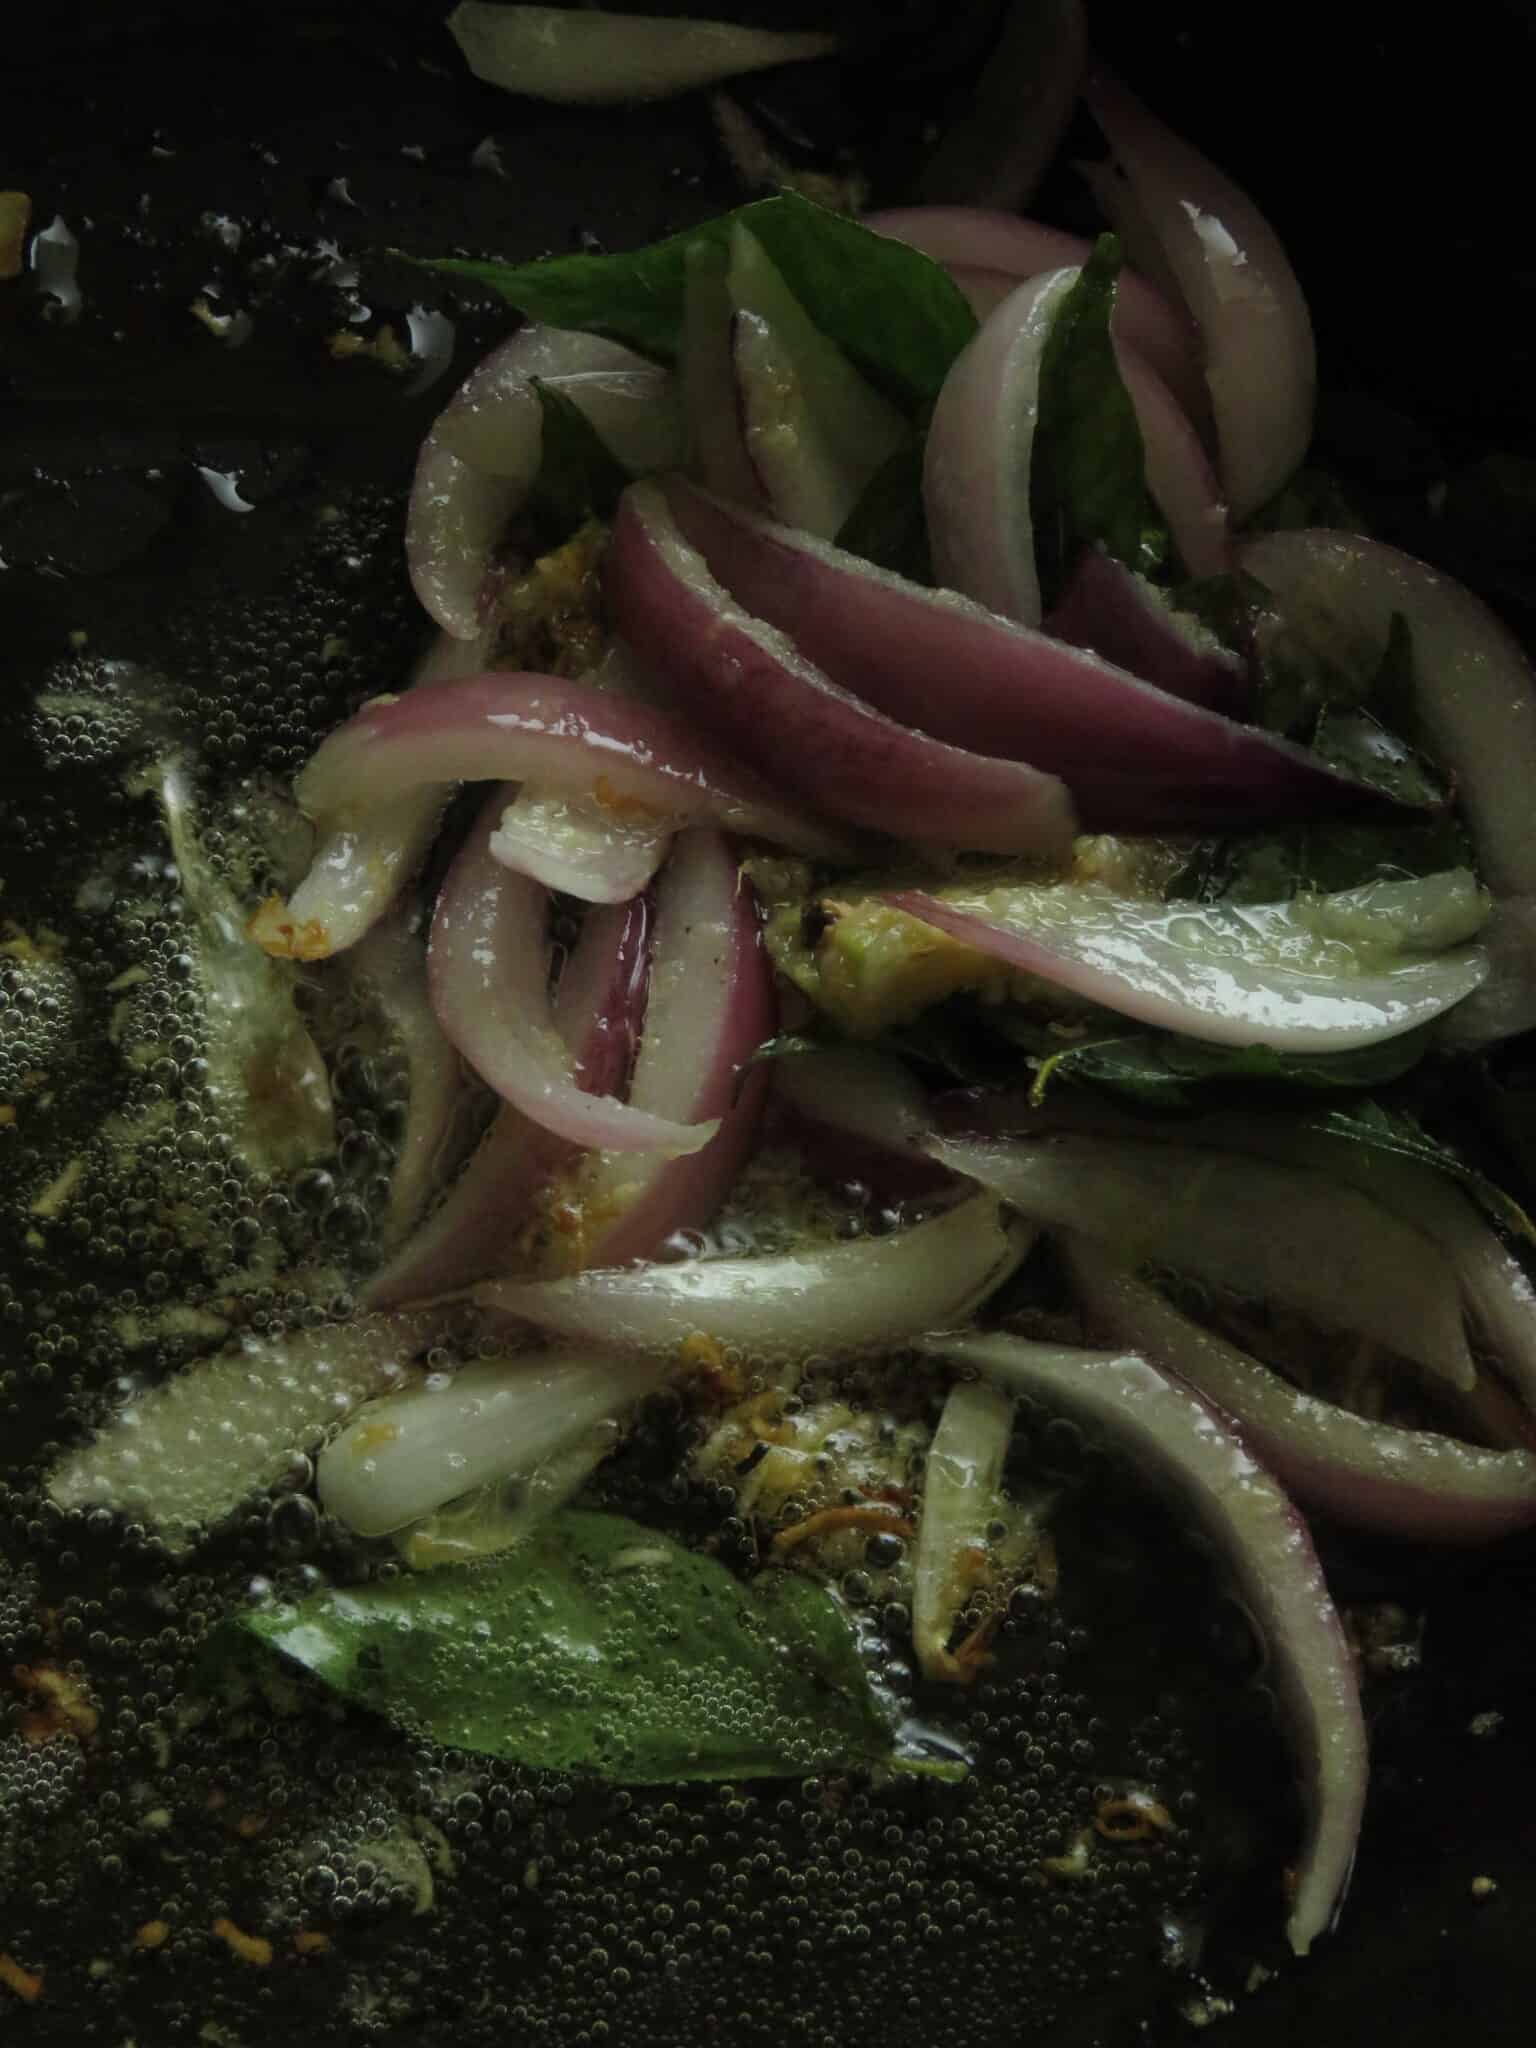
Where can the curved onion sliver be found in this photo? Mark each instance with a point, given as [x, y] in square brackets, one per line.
[488, 962]
[1182, 1444]
[829, 1299]
[1407, 1482]
[1183, 219]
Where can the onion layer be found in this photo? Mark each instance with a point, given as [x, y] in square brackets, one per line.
[573, 739]
[711, 1005]
[838, 1298]
[590, 57]
[1265, 1232]
[1187, 1448]
[1475, 695]
[489, 966]
[195, 1447]
[741, 678]
[1260, 974]
[1406, 1482]
[1134, 757]
[475, 1229]
[1108, 608]
[975, 242]
[413, 1451]
[479, 462]
[1181, 217]
[364, 858]
[572, 844]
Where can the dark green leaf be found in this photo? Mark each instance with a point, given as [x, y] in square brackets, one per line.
[1162, 1070]
[893, 311]
[601, 1646]
[1087, 479]
[1381, 1129]
[579, 477]
[888, 525]
[1393, 697]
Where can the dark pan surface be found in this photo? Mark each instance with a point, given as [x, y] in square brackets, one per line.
[1395, 169]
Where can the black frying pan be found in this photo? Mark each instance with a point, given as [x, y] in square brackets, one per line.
[1393, 161]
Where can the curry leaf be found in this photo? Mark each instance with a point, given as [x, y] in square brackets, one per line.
[579, 476]
[1161, 1069]
[888, 525]
[601, 1646]
[1087, 478]
[1379, 1128]
[892, 310]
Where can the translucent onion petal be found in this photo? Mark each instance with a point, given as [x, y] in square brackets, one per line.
[1181, 1444]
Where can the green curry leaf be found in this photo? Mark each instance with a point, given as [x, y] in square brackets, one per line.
[1087, 476]
[893, 311]
[601, 1646]
[579, 477]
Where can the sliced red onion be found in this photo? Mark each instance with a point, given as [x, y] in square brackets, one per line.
[392, 963]
[590, 57]
[488, 962]
[1372, 1475]
[1257, 974]
[976, 471]
[1475, 696]
[1179, 475]
[1116, 613]
[192, 1449]
[717, 452]
[475, 1229]
[815, 431]
[1184, 1446]
[364, 858]
[994, 253]
[479, 462]
[1134, 757]
[1016, 113]
[572, 844]
[1267, 1232]
[413, 1451]
[573, 739]
[711, 1005]
[744, 680]
[962, 1485]
[1181, 217]
[875, 1292]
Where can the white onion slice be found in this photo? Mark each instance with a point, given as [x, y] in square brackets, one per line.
[202, 1442]
[1181, 217]
[590, 57]
[488, 963]
[1265, 1231]
[994, 253]
[710, 1006]
[1184, 1446]
[572, 844]
[1017, 111]
[706, 367]
[828, 1299]
[1475, 695]
[365, 857]
[574, 739]
[1259, 974]
[962, 1479]
[1408, 1482]
[392, 963]
[413, 1451]
[479, 462]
